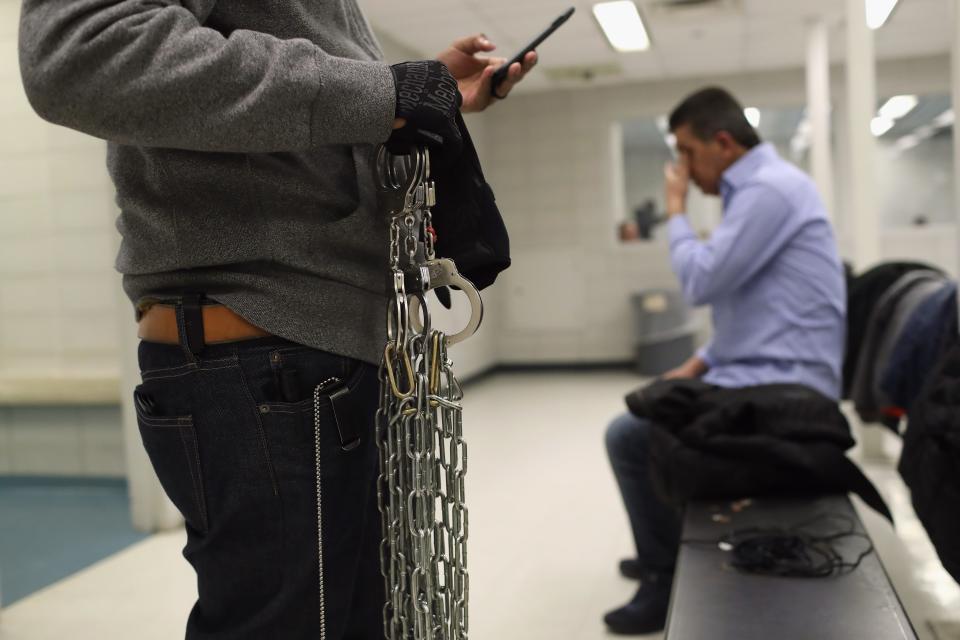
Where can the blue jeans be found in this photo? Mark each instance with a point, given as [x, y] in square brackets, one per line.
[656, 525]
[231, 435]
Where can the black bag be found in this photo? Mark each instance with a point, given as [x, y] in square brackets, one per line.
[469, 227]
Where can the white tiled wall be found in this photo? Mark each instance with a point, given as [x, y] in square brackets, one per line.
[554, 163]
[935, 244]
[61, 441]
[58, 288]
[59, 302]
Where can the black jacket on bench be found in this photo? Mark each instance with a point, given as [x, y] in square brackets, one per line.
[930, 462]
[710, 442]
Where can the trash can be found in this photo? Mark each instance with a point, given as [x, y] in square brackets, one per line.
[665, 334]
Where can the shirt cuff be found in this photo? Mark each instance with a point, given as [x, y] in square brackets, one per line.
[704, 354]
[678, 228]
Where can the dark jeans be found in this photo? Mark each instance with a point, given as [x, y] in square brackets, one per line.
[230, 434]
[656, 526]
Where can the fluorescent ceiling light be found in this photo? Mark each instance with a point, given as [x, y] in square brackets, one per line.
[907, 142]
[945, 119]
[878, 11]
[622, 24]
[880, 125]
[897, 107]
[753, 116]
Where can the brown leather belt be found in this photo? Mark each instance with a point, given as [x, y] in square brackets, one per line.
[220, 324]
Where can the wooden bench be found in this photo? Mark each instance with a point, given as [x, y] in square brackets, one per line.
[713, 601]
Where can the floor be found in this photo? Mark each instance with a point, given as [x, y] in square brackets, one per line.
[50, 528]
[546, 532]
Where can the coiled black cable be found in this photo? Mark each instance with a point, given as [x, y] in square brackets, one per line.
[792, 551]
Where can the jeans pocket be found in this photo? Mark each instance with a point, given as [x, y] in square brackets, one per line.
[337, 421]
[171, 444]
[324, 451]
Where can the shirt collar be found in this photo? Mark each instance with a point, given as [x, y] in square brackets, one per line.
[748, 164]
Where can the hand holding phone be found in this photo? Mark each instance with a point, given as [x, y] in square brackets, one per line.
[501, 74]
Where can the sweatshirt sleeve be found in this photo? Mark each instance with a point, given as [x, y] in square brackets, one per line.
[147, 73]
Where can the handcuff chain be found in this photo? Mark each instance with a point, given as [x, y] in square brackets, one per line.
[422, 454]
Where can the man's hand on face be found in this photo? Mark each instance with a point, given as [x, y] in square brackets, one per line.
[474, 73]
[677, 181]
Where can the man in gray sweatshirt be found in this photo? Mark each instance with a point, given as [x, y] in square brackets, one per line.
[240, 138]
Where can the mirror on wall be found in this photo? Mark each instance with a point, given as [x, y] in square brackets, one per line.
[647, 147]
[915, 160]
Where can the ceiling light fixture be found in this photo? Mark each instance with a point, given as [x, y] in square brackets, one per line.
[898, 106]
[878, 12]
[880, 125]
[753, 116]
[622, 25]
[945, 119]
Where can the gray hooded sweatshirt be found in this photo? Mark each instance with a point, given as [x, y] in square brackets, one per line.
[240, 135]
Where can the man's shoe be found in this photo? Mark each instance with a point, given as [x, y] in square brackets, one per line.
[631, 568]
[646, 612]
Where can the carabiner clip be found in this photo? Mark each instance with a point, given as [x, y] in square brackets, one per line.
[388, 360]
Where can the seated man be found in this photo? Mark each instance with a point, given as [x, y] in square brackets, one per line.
[775, 282]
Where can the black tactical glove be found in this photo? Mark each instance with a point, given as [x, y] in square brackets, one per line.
[429, 100]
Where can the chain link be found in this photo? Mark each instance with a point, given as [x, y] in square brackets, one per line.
[410, 237]
[316, 450]
[423, 462]
[394, 245]
[423, 459]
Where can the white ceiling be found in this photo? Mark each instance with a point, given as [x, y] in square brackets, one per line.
[738, 36]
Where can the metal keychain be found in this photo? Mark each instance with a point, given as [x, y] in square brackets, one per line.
[423, 456]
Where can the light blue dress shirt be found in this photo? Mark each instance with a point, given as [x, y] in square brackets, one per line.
[773, 276]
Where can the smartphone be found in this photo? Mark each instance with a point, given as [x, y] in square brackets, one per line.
[501, 74]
